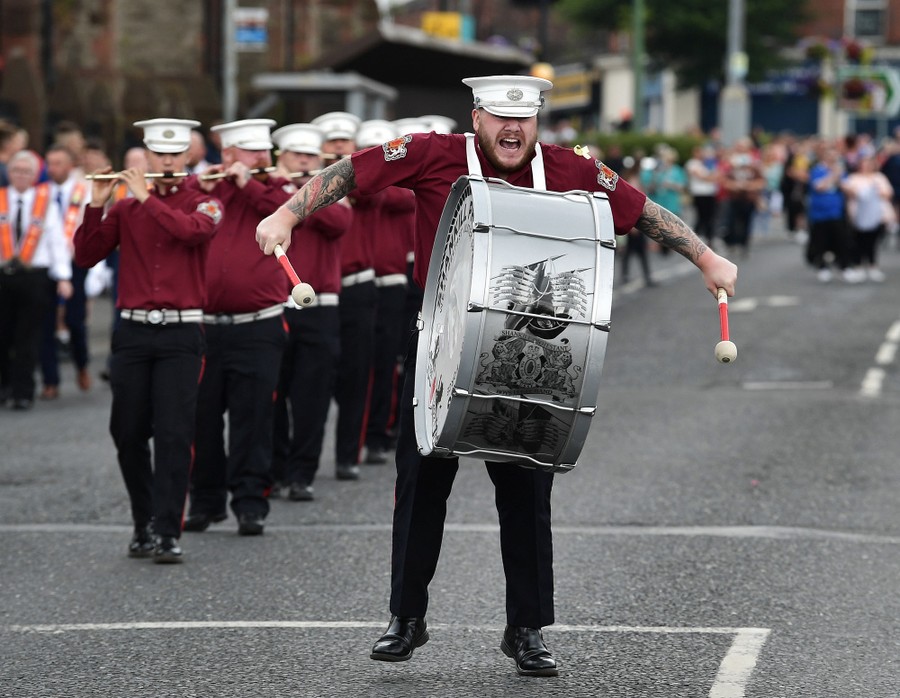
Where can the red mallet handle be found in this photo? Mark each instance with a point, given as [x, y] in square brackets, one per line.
[302, 293]
[726, 351]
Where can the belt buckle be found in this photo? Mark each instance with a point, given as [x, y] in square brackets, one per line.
[156, 317]
[224, 319]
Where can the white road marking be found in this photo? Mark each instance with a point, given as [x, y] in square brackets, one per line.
[731, 680]
[872, 382]
[742, 305]
[759, 532]
[738, 664]
[788, 385]
[886, 353]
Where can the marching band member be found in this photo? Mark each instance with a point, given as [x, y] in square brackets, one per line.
[504, 118]
[396, 213]
[163, 234]
[314, 336]
[33, 257]
[245, 333]
[357, 306]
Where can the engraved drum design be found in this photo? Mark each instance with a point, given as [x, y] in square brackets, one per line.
[515, 319]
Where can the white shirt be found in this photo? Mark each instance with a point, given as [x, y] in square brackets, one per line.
[51, 252]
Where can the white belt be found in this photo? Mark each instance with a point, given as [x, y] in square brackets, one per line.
[241, 318]
[358, 277]
[390, 280]
[163, 316]
[321, 299]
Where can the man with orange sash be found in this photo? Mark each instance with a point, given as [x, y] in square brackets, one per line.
[32, 251]
[70, 193]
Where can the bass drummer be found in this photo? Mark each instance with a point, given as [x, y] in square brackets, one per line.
[504, 146]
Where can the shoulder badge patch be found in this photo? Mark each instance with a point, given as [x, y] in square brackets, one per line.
[607, 177]
[211, 209]
[289, 188]
[396, 149]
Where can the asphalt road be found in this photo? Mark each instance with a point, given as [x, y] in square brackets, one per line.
[730, 530]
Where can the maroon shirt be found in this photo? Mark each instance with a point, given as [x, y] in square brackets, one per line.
[240, 278]
[358, 245]
[430, 163]
[316, 256]
[163, 246]
[395, 231]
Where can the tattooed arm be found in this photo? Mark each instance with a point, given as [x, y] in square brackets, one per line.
[669, 230]
[326, 188]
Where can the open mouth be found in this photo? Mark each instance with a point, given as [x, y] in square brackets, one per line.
[510, 143]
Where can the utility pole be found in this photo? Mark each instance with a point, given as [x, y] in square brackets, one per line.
[734, 100]
[229, 62]
[637, 65]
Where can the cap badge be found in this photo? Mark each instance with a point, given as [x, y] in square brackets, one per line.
[514, 95]
[168, 133]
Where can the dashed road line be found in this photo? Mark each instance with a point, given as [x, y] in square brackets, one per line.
[873, 382]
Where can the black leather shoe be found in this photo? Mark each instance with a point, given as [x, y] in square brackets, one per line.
[526, 646]
[199, 521]
[250, 525]
[347, 471]
[142, 542]
[300, 492]
[402, 637]
[167, 551]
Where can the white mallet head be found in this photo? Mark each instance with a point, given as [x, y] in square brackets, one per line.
[726, 352]
[303, 294]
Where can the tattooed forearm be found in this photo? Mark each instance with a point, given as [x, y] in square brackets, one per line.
[667, 229]
[332, 184]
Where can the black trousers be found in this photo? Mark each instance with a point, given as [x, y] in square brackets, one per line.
[357, 311]
[75, 318]
[307, 383]
[154, 372]
[522, 497]
[390, 326]
[24, 298]
[240, 377]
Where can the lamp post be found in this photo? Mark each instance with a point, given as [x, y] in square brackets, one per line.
[734, 101]
[637, 64]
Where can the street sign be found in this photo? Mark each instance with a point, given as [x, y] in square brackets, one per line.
[869, 90]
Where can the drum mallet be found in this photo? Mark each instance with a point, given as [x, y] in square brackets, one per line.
[726, 351]
[302, 293]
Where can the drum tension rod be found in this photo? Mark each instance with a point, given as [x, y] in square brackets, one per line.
[473, 307]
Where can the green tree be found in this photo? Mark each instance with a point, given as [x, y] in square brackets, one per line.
[691, 36]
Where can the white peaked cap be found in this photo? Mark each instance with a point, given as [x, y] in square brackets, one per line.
[405, 126]
[438, 123]
[375, 132]
[246, 134]
[299, 138]
[338, 125]
[509, 95]
[167, 135]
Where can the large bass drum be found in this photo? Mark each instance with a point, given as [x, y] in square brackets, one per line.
[515, 319]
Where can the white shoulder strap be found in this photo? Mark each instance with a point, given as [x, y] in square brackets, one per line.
[472, 156]
[537, 164]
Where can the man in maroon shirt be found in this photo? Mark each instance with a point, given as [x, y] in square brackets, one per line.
[505, 121]
[357, 307]
[163, 235]
[314, 336]
[245, 335]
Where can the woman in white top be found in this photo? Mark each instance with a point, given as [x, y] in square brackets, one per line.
[869, 209]
[703, 186]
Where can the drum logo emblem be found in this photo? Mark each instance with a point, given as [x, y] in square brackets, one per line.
[514, 95]
[396, 149]
[607, 177]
